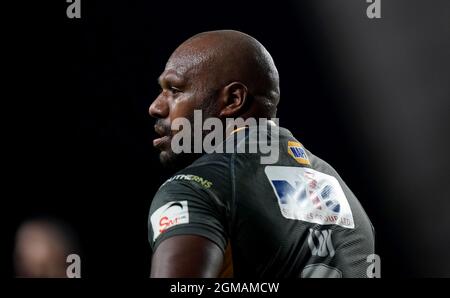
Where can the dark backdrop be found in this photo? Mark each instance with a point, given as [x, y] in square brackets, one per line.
[371, 97]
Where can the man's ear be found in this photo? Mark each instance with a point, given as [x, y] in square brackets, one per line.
[234, 97]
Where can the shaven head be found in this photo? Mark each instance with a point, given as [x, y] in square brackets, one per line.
[221, 57]
[225, 74]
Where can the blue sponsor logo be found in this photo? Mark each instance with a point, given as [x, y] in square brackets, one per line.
[298, 152]
[288, 193]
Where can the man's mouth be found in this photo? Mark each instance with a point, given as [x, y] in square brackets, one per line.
[159, 142]
[163, 137]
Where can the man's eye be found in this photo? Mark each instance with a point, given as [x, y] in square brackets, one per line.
[175, 90]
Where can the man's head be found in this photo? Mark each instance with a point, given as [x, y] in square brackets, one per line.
[226, 74]
[42, 246]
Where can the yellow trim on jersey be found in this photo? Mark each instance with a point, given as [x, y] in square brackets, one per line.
[238, 129]
[300, 160]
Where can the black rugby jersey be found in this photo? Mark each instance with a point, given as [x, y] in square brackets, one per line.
[293, 218]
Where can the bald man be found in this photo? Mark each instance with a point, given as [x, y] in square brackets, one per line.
[229, 214]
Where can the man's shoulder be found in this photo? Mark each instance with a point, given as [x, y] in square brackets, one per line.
[208, 174]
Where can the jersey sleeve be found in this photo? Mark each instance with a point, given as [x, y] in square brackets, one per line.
[186, 205]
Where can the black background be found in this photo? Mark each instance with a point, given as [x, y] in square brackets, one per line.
[371, 97]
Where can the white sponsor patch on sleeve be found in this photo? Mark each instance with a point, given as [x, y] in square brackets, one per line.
[309, 195]
[171, 214]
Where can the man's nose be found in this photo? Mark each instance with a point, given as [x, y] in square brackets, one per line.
[159, 108]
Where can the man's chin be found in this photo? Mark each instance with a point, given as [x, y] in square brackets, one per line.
[166, 158]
